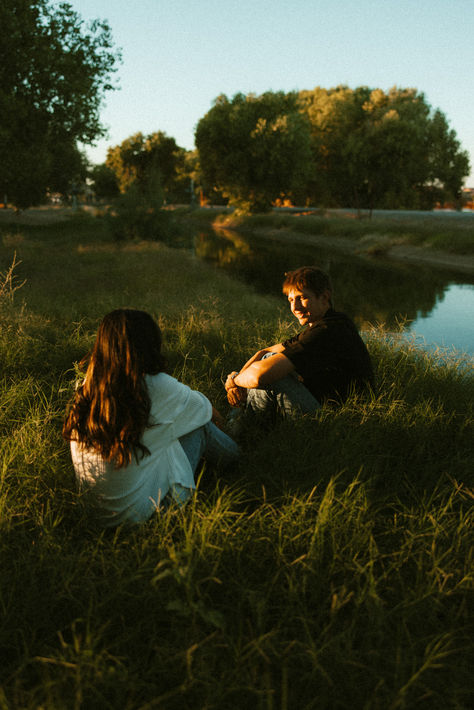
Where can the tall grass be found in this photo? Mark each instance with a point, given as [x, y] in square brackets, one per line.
[446, 234]
[332, 569]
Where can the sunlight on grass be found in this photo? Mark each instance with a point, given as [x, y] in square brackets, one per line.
[331, 569]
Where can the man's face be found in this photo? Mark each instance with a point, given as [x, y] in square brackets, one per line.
[306, 306]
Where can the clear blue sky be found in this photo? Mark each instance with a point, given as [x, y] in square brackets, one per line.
[179, 55]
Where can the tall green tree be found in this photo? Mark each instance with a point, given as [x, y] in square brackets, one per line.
[376, 149]
[148, 171]
[254, 149]
[448, 164]
[54, 72]
[104, 182]
[145, 161]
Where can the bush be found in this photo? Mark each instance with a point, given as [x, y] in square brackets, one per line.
[138, 214]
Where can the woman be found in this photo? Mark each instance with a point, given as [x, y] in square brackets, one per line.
[136, 433]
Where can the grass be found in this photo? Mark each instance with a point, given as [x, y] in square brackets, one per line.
[332, 569]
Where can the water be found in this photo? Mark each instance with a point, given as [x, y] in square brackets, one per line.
[434, 306]
[450, 324]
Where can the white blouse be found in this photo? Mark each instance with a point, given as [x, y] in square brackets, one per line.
[133, 493]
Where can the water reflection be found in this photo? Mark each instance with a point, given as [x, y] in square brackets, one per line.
[437, 305]
[451, 322]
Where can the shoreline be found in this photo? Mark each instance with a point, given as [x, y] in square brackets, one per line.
[370, 249]
[367, 247]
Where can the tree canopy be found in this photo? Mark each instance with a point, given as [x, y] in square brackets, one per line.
[146, 172]
[54, 72]
[141, 161]
[254, 148]
[344, 147]
[378, 149]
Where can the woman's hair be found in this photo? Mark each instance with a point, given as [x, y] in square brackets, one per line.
[111, 408]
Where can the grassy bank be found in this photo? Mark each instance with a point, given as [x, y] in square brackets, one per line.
[331, 569]
[454, 236]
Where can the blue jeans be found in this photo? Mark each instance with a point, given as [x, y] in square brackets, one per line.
[210, 442]
[207, 442]
[287, 396]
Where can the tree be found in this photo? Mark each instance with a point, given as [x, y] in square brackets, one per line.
[104, 182]
[376, 149]
[148, 171]
[253, 148]
[447, 163]
[54, 71]
[138, 212]
[142, 161]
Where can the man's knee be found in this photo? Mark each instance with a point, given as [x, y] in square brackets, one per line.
[288, 396]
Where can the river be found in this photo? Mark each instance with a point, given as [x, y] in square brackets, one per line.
[433, 306]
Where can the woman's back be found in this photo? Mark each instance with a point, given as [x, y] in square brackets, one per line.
[133, 492]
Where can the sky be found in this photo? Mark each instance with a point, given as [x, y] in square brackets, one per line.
[179, 55]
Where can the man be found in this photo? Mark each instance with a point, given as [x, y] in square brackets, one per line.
[326, 361]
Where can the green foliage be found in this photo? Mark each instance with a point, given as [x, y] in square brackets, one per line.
[138, 213]
[137, 171]
[448, 164]
[146, 161]
[147, 171]
[104, 182]
[376, 149]
[53, 73]
[254, 148]
[344, 147]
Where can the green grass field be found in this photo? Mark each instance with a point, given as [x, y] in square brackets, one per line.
[333, 568]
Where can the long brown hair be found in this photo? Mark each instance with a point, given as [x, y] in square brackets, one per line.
[111, 408]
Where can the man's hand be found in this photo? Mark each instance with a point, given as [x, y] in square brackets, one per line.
[235, 395]
[229, 383]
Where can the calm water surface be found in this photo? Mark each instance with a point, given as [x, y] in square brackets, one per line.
[436, 307]
[450, 324]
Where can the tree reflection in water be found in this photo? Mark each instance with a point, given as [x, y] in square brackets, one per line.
[370, 290]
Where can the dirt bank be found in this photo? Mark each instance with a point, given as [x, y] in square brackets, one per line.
[365, 247]
[36, 215]
[462, 263]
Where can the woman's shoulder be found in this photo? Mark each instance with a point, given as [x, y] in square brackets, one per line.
[170, 397]
[163, 382]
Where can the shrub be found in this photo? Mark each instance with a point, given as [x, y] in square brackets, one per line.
[138, 214]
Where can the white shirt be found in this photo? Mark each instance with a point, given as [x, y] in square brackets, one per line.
[134, 492]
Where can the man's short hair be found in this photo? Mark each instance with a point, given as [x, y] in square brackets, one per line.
[310, 277]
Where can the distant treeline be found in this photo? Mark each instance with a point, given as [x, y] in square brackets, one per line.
[328, 147]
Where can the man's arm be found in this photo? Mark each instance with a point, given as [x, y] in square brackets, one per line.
[278, 348]
[264, 372]
[258, 372]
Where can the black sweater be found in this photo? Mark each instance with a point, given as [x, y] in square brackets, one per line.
[331, 357]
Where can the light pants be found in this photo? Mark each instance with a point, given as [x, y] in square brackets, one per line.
[207, 442]
[287, 396]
